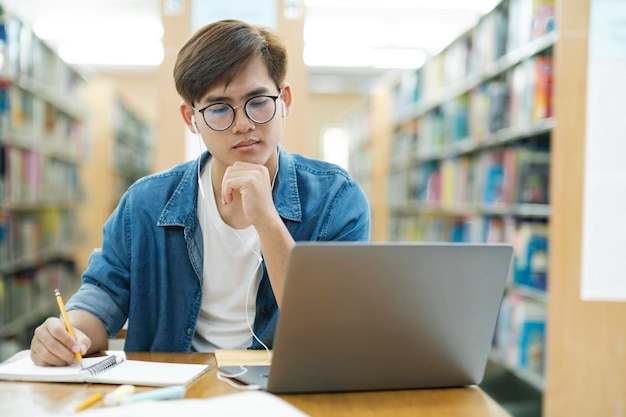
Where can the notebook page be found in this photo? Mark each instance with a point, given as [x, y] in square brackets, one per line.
[155, 374]
[25, 370]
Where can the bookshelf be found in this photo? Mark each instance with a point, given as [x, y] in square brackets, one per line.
[122, 152]
[486, 143]
[42, 143]
[462, 158]
[471, 160]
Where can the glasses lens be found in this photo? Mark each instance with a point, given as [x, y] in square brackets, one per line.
[261, 109]
[219, 116]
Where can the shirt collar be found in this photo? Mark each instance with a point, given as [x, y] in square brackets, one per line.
[180, 209]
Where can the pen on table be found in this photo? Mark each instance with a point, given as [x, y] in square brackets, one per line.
[168, 393]
[94, 399]
[66, 319]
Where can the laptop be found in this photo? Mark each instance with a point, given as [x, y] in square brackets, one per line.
[384, 316]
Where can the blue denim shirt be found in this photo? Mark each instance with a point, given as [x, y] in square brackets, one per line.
[149, 269]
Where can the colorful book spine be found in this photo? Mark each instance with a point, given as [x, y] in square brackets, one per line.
[530, 265]
[520, 334]
[542, 107]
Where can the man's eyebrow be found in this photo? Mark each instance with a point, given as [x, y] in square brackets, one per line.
[255, 92]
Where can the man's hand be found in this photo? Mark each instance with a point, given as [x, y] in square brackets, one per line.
[250, 183]
[52, 345]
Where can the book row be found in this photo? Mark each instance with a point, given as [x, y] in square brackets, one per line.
[517, 99]
[29, 118]
[509, 27]
[520, 337]
[24, 55]
[28, 177]
[495, 178]
[29, 291]
[528, 237]
[30, 236]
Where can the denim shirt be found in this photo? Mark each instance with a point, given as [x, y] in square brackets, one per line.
[149, 269]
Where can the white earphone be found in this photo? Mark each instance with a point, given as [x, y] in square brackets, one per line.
[284, 108]
[197, 132]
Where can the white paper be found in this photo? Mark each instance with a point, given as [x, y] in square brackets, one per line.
[603, 270]
[244, 404]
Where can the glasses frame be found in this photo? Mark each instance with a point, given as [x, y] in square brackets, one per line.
[245, 110]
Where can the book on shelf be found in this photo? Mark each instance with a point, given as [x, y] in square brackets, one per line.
[509, 162]
[493, 185]
[492, 177]
[22, 104]
[532, 176]
[495, 229]
[488, 109]
[448, 183]
[521, 94]
[405, 95]
[543, 20]
[455, 119]
[428, 181]
[13, 29]
[431, 133]
[515, 175]
[497, 97]
[31, 175]
[520, 333]
[528, 20]
[399, 191]
[432, 78]
[456, 61]
[457, 182]
[27, 291]
[489, 39]
[5, 114]
[4, 162]
[530, 263]
[542, 106]
[4, 238]
[478, 110]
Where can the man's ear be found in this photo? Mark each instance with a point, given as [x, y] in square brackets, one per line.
[285, 97]
[187, 113]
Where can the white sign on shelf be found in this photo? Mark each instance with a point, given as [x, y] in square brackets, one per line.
[604, 229]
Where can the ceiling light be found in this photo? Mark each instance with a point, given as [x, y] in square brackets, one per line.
[482, 6]
[70, 27]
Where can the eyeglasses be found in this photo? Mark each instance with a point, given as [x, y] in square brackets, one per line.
[221, 116]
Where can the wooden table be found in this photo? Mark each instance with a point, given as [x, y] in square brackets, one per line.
[26, 399]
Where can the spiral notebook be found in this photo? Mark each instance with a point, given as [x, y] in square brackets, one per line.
[111, 369]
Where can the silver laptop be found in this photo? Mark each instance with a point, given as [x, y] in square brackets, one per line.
[369, 316]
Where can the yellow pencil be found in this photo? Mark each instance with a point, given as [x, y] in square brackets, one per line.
[66, 319]
[94, 399]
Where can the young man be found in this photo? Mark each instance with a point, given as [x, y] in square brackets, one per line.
[195, 257]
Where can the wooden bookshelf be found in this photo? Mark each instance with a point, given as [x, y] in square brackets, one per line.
[578, 366]
[42, 142]
[586, 359]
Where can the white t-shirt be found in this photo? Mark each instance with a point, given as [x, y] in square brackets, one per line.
[231, 276]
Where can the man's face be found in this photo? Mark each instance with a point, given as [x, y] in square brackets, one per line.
[244, 140]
